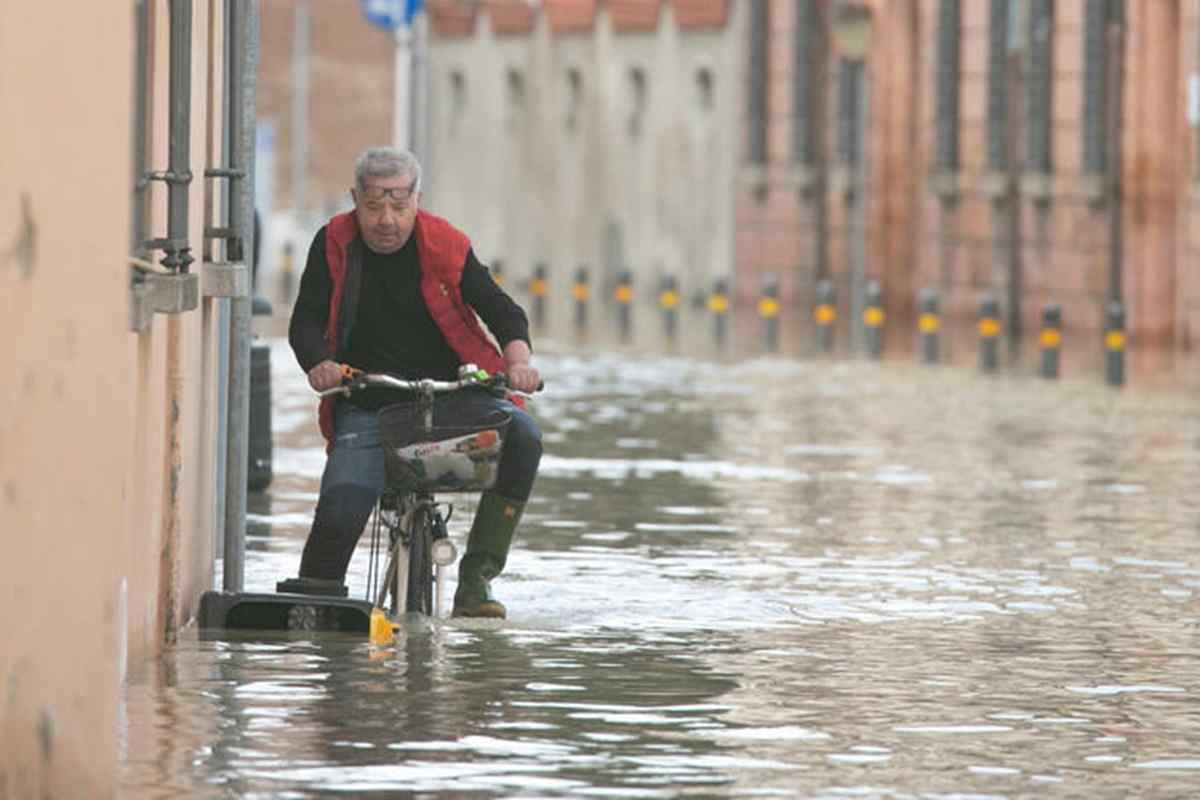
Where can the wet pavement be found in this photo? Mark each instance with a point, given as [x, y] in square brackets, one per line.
[765, 578]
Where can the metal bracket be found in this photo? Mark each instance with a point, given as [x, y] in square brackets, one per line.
[166, 176]
[160, 293]
[226, 279]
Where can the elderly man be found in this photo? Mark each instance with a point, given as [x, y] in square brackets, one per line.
[391, 288]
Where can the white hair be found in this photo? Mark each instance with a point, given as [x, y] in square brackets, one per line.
[386, 162]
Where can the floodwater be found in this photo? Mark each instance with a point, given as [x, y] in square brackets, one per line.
[768, 578]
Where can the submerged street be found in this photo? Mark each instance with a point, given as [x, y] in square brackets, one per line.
[769, 578]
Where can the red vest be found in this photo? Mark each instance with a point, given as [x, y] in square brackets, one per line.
[442, 252]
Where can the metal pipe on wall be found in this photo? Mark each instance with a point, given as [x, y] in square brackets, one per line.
[179, 169]
[243, 24]
[141, 99]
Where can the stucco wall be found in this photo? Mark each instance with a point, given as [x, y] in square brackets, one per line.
[91, 487]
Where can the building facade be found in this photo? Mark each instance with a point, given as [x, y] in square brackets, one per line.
[109, 444]
[1040, 151]
[589, 136]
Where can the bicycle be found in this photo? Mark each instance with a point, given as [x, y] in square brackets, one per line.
[421, 460]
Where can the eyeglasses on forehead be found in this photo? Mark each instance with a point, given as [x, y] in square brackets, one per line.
[400, 194]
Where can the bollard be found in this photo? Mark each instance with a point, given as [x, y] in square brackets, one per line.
[624, 297]
[1114, 343]
[825, 315]
[498, 272]
[873, 319]
[258, 438]
[538, 285]
[768, 309]
[1050, 339]
[287, 273]
[668, 300]
[580, 292]
[929, 323]
[989, 333]
[718, 304]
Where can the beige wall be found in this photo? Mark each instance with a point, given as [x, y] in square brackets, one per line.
[527, 188]
[107, 441]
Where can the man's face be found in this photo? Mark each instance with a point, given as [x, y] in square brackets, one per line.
[386, 210]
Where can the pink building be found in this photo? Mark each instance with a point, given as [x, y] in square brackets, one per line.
[1036, 150]
[1040, 151]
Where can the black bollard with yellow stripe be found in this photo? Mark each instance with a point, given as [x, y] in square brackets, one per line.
[989, 333]
[623, 294]
[825, 315]
[497, 270]
[874, 318]
[580, 291]
[538, 287]
[287, 272]
[768, 309]
[718, 304]
[1050, 339]
[668, 301]
[1114, 344]
[929, 323]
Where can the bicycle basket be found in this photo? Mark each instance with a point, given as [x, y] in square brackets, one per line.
[460, 454]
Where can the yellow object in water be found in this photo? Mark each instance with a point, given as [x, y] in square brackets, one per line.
[383, 630]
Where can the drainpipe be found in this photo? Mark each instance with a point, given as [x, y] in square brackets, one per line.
[818, 83]
[1116, 84]
[177, 258]
[243, 32]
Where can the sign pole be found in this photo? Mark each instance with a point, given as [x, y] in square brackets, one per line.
[402, 97]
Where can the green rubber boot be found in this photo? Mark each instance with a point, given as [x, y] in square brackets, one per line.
[487, 551]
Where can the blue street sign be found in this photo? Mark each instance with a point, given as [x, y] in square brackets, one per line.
[391, 14]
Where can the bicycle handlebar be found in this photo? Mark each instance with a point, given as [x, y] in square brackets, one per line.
[356, 380]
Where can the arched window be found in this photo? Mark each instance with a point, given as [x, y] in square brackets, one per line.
[458, 97]
[514, 110]
[637, 100]
[574, 97]
[705, 91]
[516, 89]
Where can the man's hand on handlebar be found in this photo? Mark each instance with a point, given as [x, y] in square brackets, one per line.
[326, 375]
[523, 378]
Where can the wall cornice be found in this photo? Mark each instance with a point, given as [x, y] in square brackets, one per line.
[452, 19]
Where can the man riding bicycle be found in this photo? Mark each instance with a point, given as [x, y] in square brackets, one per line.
[391, 288]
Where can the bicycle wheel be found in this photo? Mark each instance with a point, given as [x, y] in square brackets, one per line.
[420, 562]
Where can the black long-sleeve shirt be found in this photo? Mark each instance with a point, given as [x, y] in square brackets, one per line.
[392, 330]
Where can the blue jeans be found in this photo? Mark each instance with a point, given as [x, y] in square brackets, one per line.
[354, 478]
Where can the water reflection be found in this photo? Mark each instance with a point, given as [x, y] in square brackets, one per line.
[768, 578]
